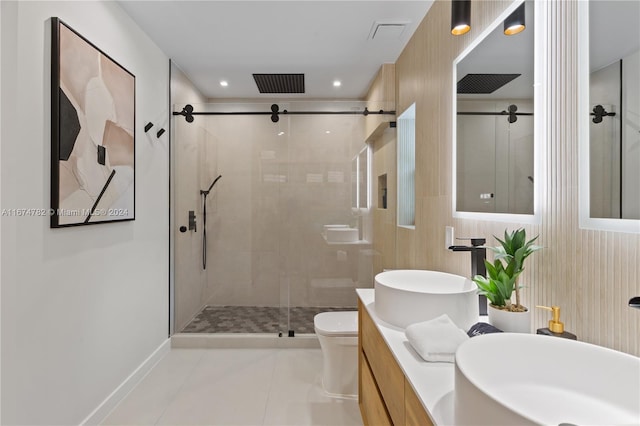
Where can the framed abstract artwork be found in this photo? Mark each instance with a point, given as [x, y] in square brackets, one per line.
[93, 101]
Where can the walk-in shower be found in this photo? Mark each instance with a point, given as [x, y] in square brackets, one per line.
[265, 265]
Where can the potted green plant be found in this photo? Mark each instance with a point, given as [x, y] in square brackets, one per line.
[502, 279]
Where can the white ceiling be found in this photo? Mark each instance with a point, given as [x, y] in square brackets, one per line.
[326, 40]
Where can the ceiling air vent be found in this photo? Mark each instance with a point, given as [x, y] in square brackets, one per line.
[484, 83]
[390, 31]
[279, 83]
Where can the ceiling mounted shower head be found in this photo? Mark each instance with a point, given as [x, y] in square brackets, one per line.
[279, 83]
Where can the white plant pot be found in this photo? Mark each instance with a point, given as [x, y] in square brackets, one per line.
[513, 322]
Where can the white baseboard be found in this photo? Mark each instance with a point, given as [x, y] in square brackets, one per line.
[102, 411]
[242, 341]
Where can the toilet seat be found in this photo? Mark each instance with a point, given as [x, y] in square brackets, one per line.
[337, 324]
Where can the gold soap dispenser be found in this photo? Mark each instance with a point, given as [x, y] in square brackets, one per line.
[556, 327]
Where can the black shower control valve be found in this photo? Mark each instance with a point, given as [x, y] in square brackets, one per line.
[183, 229]
[192, 221]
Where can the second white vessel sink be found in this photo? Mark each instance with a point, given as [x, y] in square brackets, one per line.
[529, 379]
[404, 297]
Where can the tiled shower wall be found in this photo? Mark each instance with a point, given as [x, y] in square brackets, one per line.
[281, 182]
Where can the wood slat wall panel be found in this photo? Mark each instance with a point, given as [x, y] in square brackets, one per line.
[382, 93]
[590, 274]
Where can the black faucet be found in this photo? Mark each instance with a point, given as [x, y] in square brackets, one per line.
[478, 255]
[634, 302]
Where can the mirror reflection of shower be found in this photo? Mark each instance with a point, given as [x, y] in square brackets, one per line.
[204, 221]
[614, 102]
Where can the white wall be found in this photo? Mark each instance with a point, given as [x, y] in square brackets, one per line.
[82, 307]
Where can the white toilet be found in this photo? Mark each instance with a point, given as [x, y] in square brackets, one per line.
[338, 336]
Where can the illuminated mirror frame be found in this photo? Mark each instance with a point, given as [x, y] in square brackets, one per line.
[539, 117]
[366, 174]
[587, 222]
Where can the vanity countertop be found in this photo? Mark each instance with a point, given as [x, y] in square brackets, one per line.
[431, 381]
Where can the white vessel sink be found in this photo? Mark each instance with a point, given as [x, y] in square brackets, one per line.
[527, 379]
[342, 235]
[404, 297]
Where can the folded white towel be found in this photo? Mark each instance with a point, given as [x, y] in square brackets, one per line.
[436, 340]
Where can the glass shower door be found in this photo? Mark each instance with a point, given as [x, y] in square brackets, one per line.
[318, 275]
[240, 289]
[269, 268]
[194, 167]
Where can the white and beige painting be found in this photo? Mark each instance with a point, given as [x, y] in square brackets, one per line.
[96, 140]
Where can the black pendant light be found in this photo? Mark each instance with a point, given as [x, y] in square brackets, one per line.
[460, 16]
[515, 22]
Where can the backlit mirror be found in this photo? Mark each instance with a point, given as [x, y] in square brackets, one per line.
[354, 183]
[494, 121]
[360, 197]
[614, 109]
[363, 178]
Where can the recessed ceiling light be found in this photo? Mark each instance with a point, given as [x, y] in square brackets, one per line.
[328, 131]
[337, 83]
[224, 83]
[281, 133]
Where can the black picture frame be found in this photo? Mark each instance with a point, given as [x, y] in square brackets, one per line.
[93, 144]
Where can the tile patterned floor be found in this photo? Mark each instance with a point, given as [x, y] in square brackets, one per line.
[235, 387]
[255, 319]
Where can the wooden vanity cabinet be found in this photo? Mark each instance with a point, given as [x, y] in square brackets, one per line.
[385, 395]
[414, 414]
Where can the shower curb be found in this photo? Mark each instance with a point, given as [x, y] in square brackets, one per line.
[243, 341]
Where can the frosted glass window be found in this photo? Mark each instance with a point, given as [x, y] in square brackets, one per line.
[407, 167]
[363, 178]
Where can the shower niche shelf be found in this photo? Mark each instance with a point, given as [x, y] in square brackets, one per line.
[382, 191]
[342, 243]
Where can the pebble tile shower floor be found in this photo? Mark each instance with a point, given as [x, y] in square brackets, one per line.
[255, 319]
